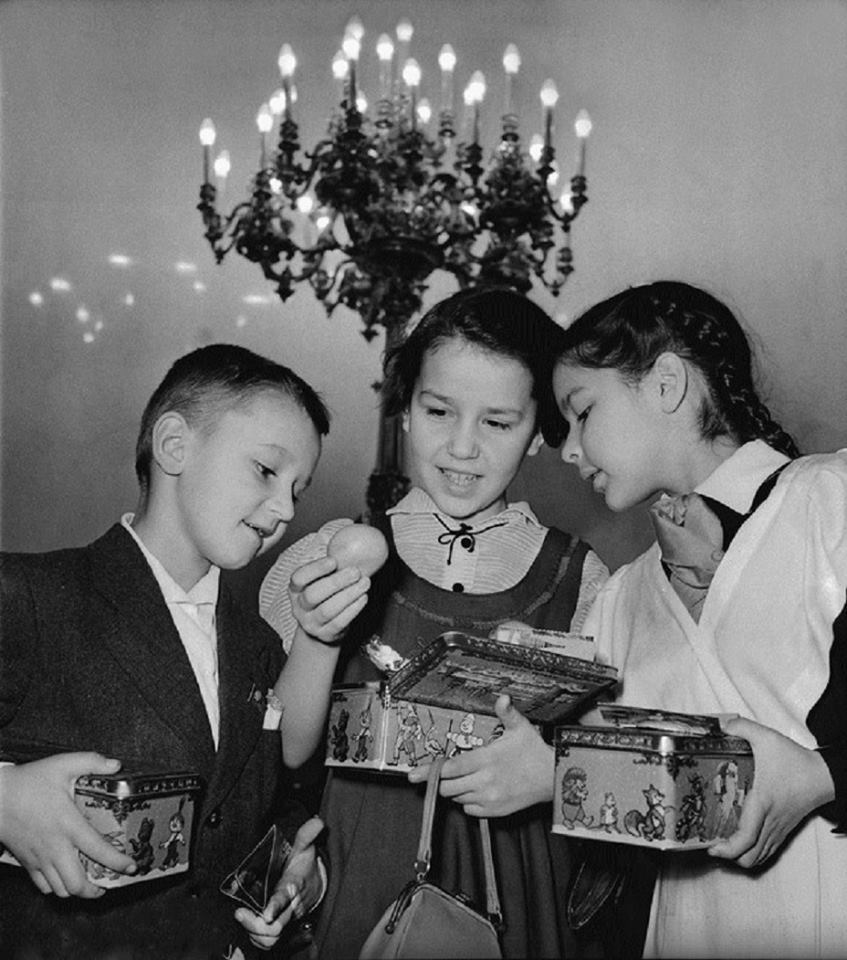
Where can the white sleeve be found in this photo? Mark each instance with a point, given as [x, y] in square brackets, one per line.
[594, 574]
[274, 599]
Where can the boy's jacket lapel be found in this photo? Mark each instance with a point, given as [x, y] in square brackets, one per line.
[242, 695]
[144, 639]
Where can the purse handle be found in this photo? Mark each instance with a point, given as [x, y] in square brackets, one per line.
[424, 859]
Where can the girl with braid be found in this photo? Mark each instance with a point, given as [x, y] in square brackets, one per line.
[738, 608]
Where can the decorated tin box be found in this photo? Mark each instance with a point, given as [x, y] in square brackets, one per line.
[670, 781]
[147, 816]
[442, 701]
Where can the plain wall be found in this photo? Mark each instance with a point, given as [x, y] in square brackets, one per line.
[719, 156]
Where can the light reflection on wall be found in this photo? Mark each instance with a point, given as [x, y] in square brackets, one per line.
[122, 261]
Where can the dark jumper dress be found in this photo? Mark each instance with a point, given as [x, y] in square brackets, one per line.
[374, 820]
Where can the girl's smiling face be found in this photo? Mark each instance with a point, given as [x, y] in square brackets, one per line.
[614, 436]
[470, 422]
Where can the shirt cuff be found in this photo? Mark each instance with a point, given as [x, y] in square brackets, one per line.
[274, 599]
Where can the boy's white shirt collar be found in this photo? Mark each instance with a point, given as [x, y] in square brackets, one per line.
[204, 591]
[735, 482]
[417, 501]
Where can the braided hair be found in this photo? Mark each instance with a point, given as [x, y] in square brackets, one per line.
[631, 329]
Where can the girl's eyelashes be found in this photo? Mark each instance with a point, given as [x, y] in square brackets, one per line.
[264, 471]
[441, 413]
[581, 417]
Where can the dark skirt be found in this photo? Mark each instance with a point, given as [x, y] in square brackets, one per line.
[372, 843]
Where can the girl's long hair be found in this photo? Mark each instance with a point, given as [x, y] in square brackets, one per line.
[629, 331]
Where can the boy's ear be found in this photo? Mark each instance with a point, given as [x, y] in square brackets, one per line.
[534, 445]
[170, 439]
[671, 379]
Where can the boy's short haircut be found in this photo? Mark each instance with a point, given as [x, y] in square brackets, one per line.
[213, 379]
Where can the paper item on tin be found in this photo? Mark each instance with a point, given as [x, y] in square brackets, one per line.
[552, 641]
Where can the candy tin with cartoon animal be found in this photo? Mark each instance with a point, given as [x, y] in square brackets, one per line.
[369, 729]
[670, 781]
[442, 700]
[147, 816]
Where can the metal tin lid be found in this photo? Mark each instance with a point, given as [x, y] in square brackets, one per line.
[463, 672]
[125, 784]
[652, 741]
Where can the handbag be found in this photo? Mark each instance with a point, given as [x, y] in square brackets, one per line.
[428, 922]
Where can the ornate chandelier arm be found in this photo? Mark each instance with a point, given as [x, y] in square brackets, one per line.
[296, 179]
[217, 226]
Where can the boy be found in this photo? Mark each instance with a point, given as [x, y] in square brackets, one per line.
[127, 647]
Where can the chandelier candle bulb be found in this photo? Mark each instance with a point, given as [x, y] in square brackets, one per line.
[549, 97]
[511, 65]
[277, 102]
[340, 70]
[447, 64]
[222, 166]
[412, 78]
[385, 53]
[404, 32]
[355, 28]
[264, 121]
[351, 47]
[207, 139]
[287, 63]
[536, 145]
[582, 126]
[475, 94]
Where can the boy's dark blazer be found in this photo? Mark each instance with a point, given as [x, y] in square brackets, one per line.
[90, 659]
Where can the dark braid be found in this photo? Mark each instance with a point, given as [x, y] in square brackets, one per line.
[630, 330]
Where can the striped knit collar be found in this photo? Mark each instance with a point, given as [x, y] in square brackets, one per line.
[418, 502]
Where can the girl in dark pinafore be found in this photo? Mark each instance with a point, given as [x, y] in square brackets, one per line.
[472, 385]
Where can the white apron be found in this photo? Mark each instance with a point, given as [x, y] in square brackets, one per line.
[761, 650]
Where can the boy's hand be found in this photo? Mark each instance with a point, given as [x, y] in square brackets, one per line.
[296, 894]
[514, 772]
[42, 826]
[326, 600]
[789, 782]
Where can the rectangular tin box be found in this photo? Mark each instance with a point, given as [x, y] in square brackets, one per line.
[147, 816]
[663, 780]
[442, 701]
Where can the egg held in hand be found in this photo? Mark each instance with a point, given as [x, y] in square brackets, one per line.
[358, 545]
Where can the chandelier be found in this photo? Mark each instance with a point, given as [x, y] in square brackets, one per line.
[395, 192]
